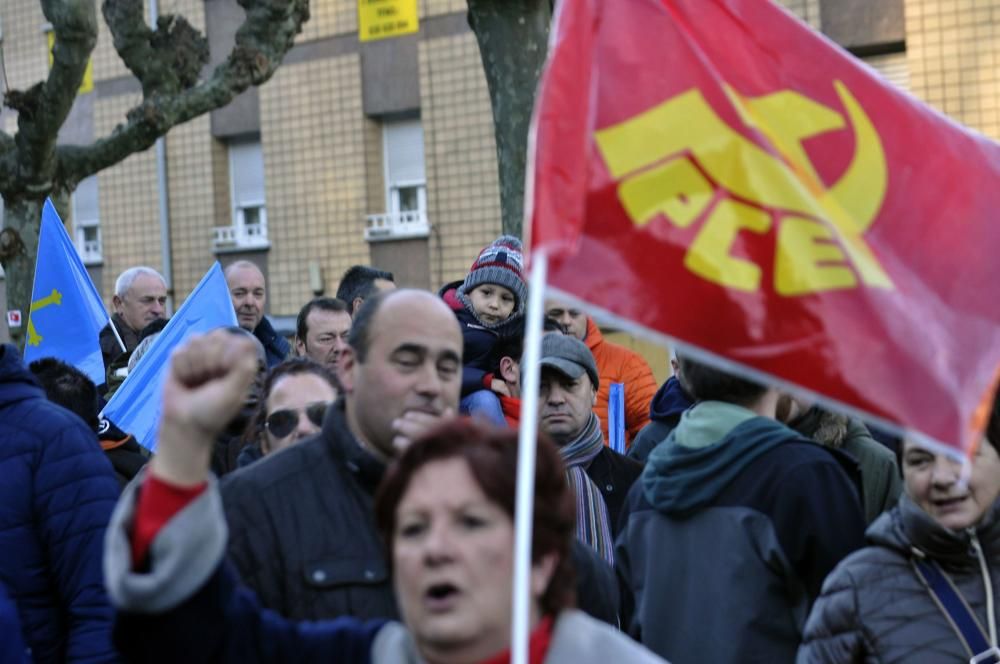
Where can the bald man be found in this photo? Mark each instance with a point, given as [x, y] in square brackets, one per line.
[249, 294]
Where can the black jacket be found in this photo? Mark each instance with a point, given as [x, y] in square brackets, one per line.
[665, 412]
[276, 347]
[109, 342]
[302, 528]
[614, 474]
[302, 531]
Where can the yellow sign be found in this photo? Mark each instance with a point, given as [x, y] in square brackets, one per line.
[379, 19]
[682, 162]
[88, 74]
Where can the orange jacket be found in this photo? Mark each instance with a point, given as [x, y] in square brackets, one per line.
[617, 364]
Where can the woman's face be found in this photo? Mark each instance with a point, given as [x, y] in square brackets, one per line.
[933, 481]
[453, 565]
[295, 409]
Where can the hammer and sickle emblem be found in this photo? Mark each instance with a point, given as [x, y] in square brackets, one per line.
[671, 160]
[55, 297]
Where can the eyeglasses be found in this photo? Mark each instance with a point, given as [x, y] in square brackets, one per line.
[283, 422]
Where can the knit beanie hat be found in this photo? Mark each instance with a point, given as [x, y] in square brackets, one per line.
[500, 263]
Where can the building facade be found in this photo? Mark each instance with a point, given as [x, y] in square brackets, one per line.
[382, 152]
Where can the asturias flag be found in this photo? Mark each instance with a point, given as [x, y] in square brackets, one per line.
[66, 312]
[716, 171]
[136, 406]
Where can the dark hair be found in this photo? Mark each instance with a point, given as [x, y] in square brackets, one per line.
[512, 347]
[68, 387]
[491, 454]
[709, 384]
[291, 367]
[360, 337]
[323, 304]
[359, 281]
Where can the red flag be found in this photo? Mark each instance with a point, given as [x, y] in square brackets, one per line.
[716, 171]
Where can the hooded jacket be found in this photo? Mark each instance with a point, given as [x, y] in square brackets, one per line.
[665, 411]
[57, 491]
[617, 364]
[728, 535]
[874, 608]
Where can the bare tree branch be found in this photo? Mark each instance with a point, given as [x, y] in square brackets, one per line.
[261, 43]
[43, 108]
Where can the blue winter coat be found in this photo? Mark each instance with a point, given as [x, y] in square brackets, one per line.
[57, 491]
[12, 648]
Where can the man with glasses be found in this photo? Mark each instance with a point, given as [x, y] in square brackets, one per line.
[302, 530]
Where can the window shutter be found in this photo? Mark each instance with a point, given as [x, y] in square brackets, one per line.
[404, 150]
[86, 211]
[246, 169]
[893, 67]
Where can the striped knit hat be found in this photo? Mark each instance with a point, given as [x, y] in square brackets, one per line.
[500, 263]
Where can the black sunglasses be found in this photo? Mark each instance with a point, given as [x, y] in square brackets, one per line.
[283, 422]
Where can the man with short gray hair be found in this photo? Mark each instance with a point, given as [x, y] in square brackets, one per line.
[140, 298]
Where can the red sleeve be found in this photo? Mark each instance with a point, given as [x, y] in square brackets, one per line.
[158, 502]
[488, 381]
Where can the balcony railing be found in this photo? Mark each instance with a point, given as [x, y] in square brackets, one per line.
[396, 226]
[253, 236]
[90, 251]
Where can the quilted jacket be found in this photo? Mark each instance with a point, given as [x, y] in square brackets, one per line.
[874, 608]
[56, 496]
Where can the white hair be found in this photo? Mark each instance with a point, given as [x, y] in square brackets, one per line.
[125, 280]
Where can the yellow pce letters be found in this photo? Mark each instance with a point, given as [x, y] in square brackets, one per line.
[662, 156]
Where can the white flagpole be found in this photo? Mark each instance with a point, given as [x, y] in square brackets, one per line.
[527, 445]
[111, 322]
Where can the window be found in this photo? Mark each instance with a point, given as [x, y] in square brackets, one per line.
[87, 220]
[246, 177]
[405, 185]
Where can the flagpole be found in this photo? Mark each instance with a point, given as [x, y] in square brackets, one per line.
[527, 445]
[114, 329]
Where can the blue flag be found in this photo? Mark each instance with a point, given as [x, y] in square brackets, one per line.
[136, 406]
[66, 313]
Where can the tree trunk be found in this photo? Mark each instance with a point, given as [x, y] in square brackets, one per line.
[513, 39]
[18, 247]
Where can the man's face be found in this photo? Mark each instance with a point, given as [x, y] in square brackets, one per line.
[574, 320]
[326, 336]
[414, 364]
[565, 404]
[246, 288]
[143, 303]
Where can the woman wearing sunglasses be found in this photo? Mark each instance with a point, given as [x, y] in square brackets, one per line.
[925, 591]
[294, 398]
[445, 509]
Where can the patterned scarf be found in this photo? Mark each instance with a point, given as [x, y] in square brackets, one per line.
[593, 527]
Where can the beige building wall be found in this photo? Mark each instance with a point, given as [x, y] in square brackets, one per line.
[130, 230]
[953, 52]
[463, 189]
[313, 138]
[807, 10]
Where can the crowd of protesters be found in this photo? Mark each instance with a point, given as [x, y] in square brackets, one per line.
[348, 496]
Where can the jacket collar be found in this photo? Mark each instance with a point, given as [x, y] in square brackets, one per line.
[908, 527]
[360, 462]
[594, 337]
